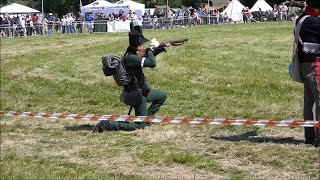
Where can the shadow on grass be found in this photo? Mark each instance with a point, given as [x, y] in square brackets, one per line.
[85, 127]
[251, 136]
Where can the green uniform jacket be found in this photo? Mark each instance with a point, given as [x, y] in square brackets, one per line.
[134, 64]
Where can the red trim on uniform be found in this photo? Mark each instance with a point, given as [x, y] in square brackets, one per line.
[317, 71]
[311, 12]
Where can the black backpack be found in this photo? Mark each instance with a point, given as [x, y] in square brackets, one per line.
[113, 65]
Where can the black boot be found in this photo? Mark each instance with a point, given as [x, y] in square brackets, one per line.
[310, 141]
[103, 125]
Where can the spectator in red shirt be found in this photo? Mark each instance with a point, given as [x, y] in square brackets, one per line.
[34, 18]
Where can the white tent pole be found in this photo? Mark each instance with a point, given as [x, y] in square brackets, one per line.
[231, 10]
[42, 6]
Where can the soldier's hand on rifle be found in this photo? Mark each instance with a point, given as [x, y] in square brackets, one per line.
[149, 49]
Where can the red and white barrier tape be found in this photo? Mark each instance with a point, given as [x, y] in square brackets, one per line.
[176, 120]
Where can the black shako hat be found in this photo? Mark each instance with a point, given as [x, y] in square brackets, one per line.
[313, 3]
[136, 38]
[134, 26]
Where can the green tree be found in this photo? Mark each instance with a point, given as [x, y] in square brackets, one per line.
[248, 3]
[189, 3]
[4, 2]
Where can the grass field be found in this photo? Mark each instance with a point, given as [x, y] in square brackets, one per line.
[223, 71]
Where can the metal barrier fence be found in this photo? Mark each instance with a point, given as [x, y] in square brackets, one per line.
[108, 26]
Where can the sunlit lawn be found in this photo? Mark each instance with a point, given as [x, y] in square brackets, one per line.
[223, 71]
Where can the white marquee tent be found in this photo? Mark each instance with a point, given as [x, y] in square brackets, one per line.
[261, 4]
[99, 4]
[138, 8]
[234, 10]
[16, 8]
[103, 6]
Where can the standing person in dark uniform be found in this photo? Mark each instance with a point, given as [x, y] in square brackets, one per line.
[28, 25]
[134, 65]
[244, 16]
[79, 21]
[310, 64]
[260, 15]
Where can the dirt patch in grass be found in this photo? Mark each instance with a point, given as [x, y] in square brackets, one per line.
[216, 43]
[157, 136]
[179, 172]
[17, 72]
[41, 72]
[257, 171]
[131, 166]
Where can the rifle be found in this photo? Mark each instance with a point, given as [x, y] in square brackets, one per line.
[179, 42]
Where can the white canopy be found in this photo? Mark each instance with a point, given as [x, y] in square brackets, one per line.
[261, 4]
[138, 8]
[16, 8]
[103, 6]
[234, 10]
[99, 4]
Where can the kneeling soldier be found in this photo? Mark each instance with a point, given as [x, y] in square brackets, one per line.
[134, 65]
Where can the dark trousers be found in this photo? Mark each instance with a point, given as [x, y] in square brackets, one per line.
[29, 30]
[311, 75]
[79, 27]
[156, 97]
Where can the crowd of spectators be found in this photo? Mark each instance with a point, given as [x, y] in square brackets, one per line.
[38, 24]
[279, 13]
[190, 16]
[116, 16]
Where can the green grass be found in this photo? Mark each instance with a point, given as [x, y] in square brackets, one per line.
[223, 71]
